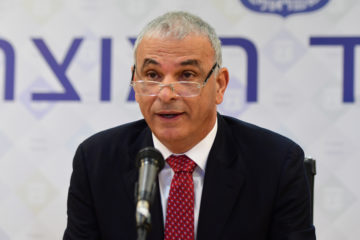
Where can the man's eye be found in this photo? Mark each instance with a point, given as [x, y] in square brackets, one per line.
[188, 75]
[152, 75]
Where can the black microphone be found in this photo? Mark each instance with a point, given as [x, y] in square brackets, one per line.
[149, 161]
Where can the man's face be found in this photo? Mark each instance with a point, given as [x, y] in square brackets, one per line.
[179, 122]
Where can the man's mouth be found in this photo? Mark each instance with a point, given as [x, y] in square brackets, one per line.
[169, 115]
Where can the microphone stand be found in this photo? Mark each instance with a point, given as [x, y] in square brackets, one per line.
[141, 233]
[143, 217]
[143, 229]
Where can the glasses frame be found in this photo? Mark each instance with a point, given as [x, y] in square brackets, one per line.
[132, 82]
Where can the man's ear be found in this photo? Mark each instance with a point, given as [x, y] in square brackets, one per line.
[222, 81]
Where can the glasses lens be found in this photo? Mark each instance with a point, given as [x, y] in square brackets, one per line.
[187, 89]
[150, 88]
[146, 88]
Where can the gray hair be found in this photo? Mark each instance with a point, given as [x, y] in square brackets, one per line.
[178, 25]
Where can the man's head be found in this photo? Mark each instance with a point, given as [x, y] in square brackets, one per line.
[178, 25]
[179, 51]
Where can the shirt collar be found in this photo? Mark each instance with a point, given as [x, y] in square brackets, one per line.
[199, 153]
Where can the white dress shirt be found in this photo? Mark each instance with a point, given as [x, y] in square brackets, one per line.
[199, 154]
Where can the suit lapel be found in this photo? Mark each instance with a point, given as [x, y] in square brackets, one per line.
[223, 181]
[131, 177]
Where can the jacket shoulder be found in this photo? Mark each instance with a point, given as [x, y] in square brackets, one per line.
[125, 134]
[247, 132]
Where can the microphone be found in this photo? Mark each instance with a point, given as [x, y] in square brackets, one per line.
[149, 161]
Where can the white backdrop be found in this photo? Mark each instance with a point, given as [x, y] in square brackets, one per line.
[299, 94]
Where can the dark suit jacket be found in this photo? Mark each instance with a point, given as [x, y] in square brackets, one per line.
[254, 187]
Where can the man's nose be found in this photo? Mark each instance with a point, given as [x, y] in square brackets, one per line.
[167, 91]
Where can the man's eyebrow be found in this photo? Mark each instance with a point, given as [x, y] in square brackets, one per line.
[190, 62]
[148, 61]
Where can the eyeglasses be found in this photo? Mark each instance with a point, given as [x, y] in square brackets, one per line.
[181, 88]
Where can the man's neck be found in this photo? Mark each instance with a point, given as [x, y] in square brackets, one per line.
[166, 151]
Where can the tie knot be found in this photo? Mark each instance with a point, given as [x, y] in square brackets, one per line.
[181, 163]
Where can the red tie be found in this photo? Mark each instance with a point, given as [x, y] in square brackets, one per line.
[180, 205]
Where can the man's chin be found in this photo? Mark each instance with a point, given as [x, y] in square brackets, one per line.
[170, 135]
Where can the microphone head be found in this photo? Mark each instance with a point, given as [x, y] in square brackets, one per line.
[150, 154]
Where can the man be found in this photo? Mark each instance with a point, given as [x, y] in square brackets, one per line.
[246, 182]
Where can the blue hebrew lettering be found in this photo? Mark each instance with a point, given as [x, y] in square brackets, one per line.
[348, 44]
[9, 69]
[252, 64]
[69, 93]
[105, 69]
